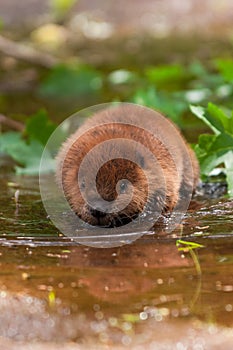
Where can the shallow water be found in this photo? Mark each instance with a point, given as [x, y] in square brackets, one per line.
[54, 290]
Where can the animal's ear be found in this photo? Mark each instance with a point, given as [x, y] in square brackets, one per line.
[140, 160]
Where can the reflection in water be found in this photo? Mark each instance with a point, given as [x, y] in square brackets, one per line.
[52, 288]
[129, 271]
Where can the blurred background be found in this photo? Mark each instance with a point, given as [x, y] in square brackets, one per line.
[65, 55]
[158, 17]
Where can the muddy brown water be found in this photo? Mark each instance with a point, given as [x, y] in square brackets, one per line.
[57, 294]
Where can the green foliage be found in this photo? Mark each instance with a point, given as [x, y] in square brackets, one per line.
[225, 67]
[172, 88]
[169, 88]
[168, 76]
[39, 127]
[26, 152]
[162, 102]
[214, 150]
[165, 92]
[71, 81]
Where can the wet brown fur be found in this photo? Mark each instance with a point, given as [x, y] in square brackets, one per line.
[171, 159]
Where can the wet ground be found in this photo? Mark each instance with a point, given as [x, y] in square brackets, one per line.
[146, 294]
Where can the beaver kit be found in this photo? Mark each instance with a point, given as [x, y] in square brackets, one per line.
[124, 162]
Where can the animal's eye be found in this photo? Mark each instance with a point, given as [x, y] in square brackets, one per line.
[82, 185]
[123, 186]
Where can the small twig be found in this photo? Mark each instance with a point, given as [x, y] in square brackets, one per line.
[26, 53]
[11, 123]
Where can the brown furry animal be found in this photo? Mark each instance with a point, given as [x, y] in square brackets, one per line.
[123, 162]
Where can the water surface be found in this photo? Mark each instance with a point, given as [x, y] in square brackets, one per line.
[145, 294]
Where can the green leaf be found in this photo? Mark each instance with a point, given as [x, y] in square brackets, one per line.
[26, 155]
[222, 142]
[216, 150]
[7, 139]
[228, 161]
[29, 156]
[213, 122]
[219, 114]
[165, 74]
[205, 141]
[211, 150]
[165, 103]
[66, 81]
[39, 127]
[225, 67]
[197, 69]
[210, 161]
[213, 160]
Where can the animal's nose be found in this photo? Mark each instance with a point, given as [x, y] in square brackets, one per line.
[97, 213]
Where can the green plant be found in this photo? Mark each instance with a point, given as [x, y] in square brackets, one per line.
[169, 88]
[189, 247]
[216, 150]
[26, 149]
[168, 104]
[69, 81]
